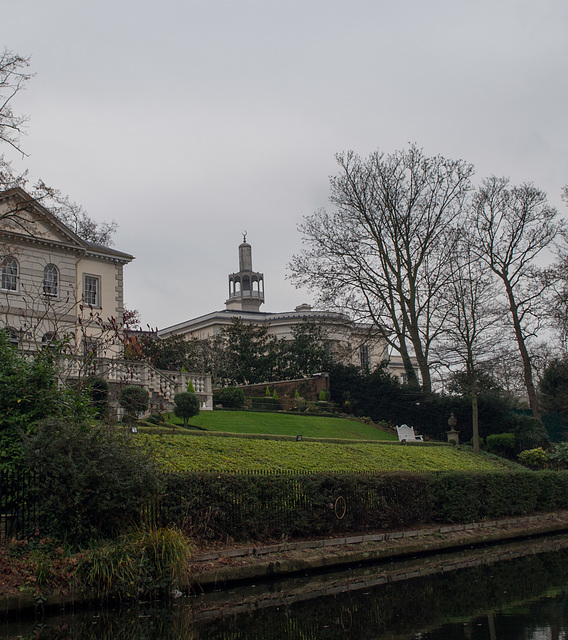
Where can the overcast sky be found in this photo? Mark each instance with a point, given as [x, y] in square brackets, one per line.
[189, 121]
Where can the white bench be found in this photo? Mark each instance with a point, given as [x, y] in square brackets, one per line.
[406, 434]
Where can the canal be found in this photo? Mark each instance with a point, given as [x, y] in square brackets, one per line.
[507, 592]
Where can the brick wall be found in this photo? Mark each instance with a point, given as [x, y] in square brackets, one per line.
[308, 388]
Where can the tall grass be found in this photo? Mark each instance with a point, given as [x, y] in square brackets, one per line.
[139, 563]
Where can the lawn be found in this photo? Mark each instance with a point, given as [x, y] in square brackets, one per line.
[209, 452]
[286, 425]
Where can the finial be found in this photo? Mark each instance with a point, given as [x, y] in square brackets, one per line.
[244, 236]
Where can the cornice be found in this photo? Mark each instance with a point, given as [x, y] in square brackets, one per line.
[84, 251]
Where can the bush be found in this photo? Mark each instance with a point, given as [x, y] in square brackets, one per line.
[29, 393]
[533, 458]
[97, 389]
[501, 443]
[134, 400]
[138, 563]
[529, 431]
[321, 504]
[92, 480]
[300, 404]
[559, 455]
[186, 406]
[231, 397]
[265, 404]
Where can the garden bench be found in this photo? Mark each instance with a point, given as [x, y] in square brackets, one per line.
[406, 434]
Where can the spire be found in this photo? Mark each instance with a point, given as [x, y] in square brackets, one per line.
[246, 288]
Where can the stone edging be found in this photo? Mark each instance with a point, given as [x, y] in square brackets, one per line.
[252, 563]
[379, 537]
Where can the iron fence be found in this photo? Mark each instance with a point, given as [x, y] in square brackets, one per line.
[18, 508]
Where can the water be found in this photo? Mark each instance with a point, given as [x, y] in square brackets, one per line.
[506, 592]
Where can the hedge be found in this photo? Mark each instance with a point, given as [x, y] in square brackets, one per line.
[268, 506]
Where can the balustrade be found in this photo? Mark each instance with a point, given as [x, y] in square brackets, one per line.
[164, 384]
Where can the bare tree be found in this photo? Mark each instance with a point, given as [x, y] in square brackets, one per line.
[74, 216]
[471, 321]
[558, 309]
[513, 226]
[383, 253]
[13, 78]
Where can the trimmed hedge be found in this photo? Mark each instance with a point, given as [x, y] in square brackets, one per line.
[265, 404]
[250, 506]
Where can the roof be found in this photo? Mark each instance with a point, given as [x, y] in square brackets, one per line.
[28, 203]
[227, 315]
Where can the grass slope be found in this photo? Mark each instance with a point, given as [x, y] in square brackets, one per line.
[187, 452]
[286, 425]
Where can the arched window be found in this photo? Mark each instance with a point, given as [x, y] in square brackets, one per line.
[10, 271]
[50, 280]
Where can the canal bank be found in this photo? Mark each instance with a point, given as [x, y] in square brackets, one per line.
[223, 567]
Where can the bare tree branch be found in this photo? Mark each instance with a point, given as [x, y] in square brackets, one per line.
[13, 78]
[513, 226]
[383, 253]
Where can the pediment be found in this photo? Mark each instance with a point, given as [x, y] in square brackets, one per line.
[23, 216]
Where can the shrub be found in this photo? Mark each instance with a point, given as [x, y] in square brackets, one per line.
[186, 406]
[29, 393]
[138, 563]
[533, 458]
[265, 404]
[315, 504]
[190, 387]
[559, 455]
[231, 397]
[501, 443]
[300, 403]
[97, 389]
[134, 400]
[92, 480]
[530, 432]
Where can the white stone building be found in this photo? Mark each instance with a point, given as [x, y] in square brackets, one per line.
[351, 342]
[55, 286]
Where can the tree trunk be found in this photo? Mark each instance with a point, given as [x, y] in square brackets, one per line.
[474, 415]
[527, 369]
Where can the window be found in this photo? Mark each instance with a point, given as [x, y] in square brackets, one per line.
[50, 280]
[91, 293]
[13, 335]
[90, 348]
[47, 340]
[9, 274]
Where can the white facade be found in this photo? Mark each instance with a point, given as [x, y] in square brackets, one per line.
[53, 284]
[351, 342]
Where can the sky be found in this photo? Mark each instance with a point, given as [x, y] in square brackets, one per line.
[190, 121]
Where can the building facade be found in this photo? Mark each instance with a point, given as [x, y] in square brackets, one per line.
[57, 287]
[54, 284]
[351, 342]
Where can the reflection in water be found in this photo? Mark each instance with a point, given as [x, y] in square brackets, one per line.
[508, 592]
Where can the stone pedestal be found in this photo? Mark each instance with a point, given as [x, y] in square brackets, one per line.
[453, 435]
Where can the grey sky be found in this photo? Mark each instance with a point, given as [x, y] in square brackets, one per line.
[188, 121]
